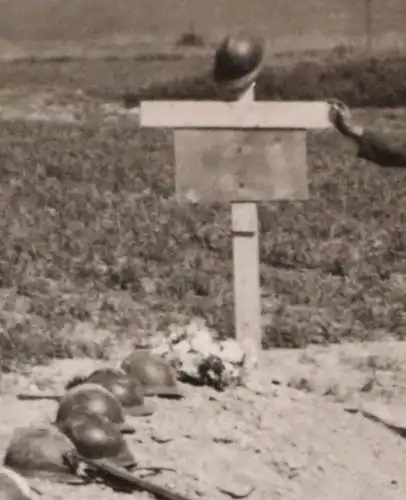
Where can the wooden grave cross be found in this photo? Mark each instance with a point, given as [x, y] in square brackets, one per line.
[241, 152]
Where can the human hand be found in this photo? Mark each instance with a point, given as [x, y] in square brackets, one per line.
[341, 119]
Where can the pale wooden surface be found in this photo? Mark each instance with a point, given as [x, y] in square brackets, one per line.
[240, 115]
[240, 165]
[247, 296]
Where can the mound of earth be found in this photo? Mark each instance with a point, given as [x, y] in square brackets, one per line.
[276, 442]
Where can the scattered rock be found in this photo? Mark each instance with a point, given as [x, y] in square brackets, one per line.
[204, 344]
[253, 383]
[302, 384]
[200, 492]
[222, 439]
[161, 438]
[199, 357]
[369, 385]
[189, 368]
[235, 488]
[332, 390]
[231, 352]
[182, 348]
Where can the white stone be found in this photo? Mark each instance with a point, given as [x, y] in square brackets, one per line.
[162, 350]
[204, 344]
[231, 352]
[181, 349]
[192, 330]
[190, 367]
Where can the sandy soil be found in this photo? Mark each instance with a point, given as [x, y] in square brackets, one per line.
[290, 438]
[60, 106]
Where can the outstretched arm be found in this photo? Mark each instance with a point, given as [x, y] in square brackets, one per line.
[384, 149]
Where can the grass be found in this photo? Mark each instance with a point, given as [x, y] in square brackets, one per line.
[347, 75]
[91, 237]
[94, 250]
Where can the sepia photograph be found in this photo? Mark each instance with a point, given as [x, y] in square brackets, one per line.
[172, 173]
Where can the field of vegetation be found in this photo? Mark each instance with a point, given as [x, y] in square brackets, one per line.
[94, 249]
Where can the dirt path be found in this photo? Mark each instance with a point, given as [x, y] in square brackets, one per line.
[60, 106]
[289, 441]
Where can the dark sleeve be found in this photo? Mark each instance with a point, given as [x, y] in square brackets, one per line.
[386, 150]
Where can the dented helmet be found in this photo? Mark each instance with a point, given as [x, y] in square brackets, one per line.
[13, 486]
[41, 452]
[127, 390]
[95, 438]
[238, 61]
[92, 398]
[156, 375]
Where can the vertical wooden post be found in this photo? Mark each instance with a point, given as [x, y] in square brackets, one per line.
[247, 294]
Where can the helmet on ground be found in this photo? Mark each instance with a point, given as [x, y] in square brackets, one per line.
[40, 452]
[156, 375]
[95, 438]
[92, 398]
[107, 372]
[81, 379]
[238, 62]
[128, 391]
[13, 486]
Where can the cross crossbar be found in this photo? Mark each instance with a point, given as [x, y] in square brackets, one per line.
[220, 115]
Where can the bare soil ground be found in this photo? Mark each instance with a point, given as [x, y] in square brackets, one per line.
[291, 439]
[60, 106]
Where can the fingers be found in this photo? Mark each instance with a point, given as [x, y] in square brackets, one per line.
[337, 104]
[339, 113]
[340, 117]
[334, 114]
[339, 110]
